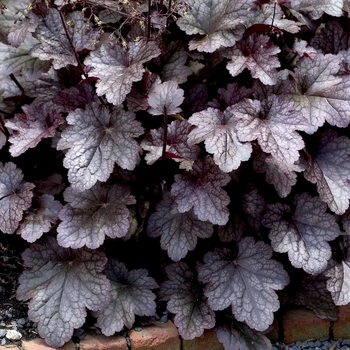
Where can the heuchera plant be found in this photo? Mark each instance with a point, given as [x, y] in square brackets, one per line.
[187, 155]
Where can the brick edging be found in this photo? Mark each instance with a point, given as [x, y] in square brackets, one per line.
[298, 324]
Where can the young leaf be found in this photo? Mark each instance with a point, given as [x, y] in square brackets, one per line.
[217, 21]
[257, 54]
[322, 95]
[130, 295]
[15, 60]
[96, 139]
[50, 185]
[238, 336]
[187, 301]
[246, 281]
[118, 68]
[283, 176]
[165, 98]
[302, 232]
[54, 43]
[218, 131]
[36, 123]
[179, 231]
[273, 122]
[329, 168]
[176, 143]
[15, 197]
[39, 218]
[93, 214]
[201, 189]
[232, 94]
[61, 284]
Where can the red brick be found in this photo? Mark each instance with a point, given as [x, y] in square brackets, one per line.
[160, 336]
[101, 342]
[342, 326]
[302, 324]
[208, 340]
[40, 344]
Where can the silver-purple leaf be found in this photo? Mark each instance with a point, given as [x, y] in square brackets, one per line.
[322, 95]
[15, 196]
[50, 185]
[175, 68]
[258, 55]
[176, 145]
[200, 189]
[61, 284]
[218, 131]
[329, 168]
[54, 43]
[219, 22]
[39, 218]
[36, 123]
[97, 138]
[93, 214]
[246, 282]
[117, 68]
[274, 123]
[165, 98]
[283, 176]
[316, 8]
[16, 60]
[303, 233]
[130, 295]
[238, 336]
[178, 231]
[186, 300]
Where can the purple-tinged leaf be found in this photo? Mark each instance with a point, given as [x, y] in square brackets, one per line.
[165, 98]
[175, 68]
[316, 8]
[15, 197]
[96, 139]
[36, 123]
[232, 94]
[3, 138]
[273, 122]
[218, 131]
[329, 168]
[303, 233]
[238, 336]
[186, 300]
[258, 55]
[54, 43]
[50, 185]
[61, 284]
[130, 295]
[117, 68]
[21, 28]
[232, 231]
[314, 295]
[178, 231]
[322, 95]
[302, 48]
[39, 218]
[93, 214]
[283, 176]
[219, 22]
[332, 38]
[75, 97]
[200, 189]
[339, 276]
[246, 282]
[176, 145]
[15, 60]
[196, 98]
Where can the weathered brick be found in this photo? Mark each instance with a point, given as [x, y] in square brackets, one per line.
[342, 326]
[40, 344]
[160, 336]
[208, 340]
[302, 324]
[101, 342]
